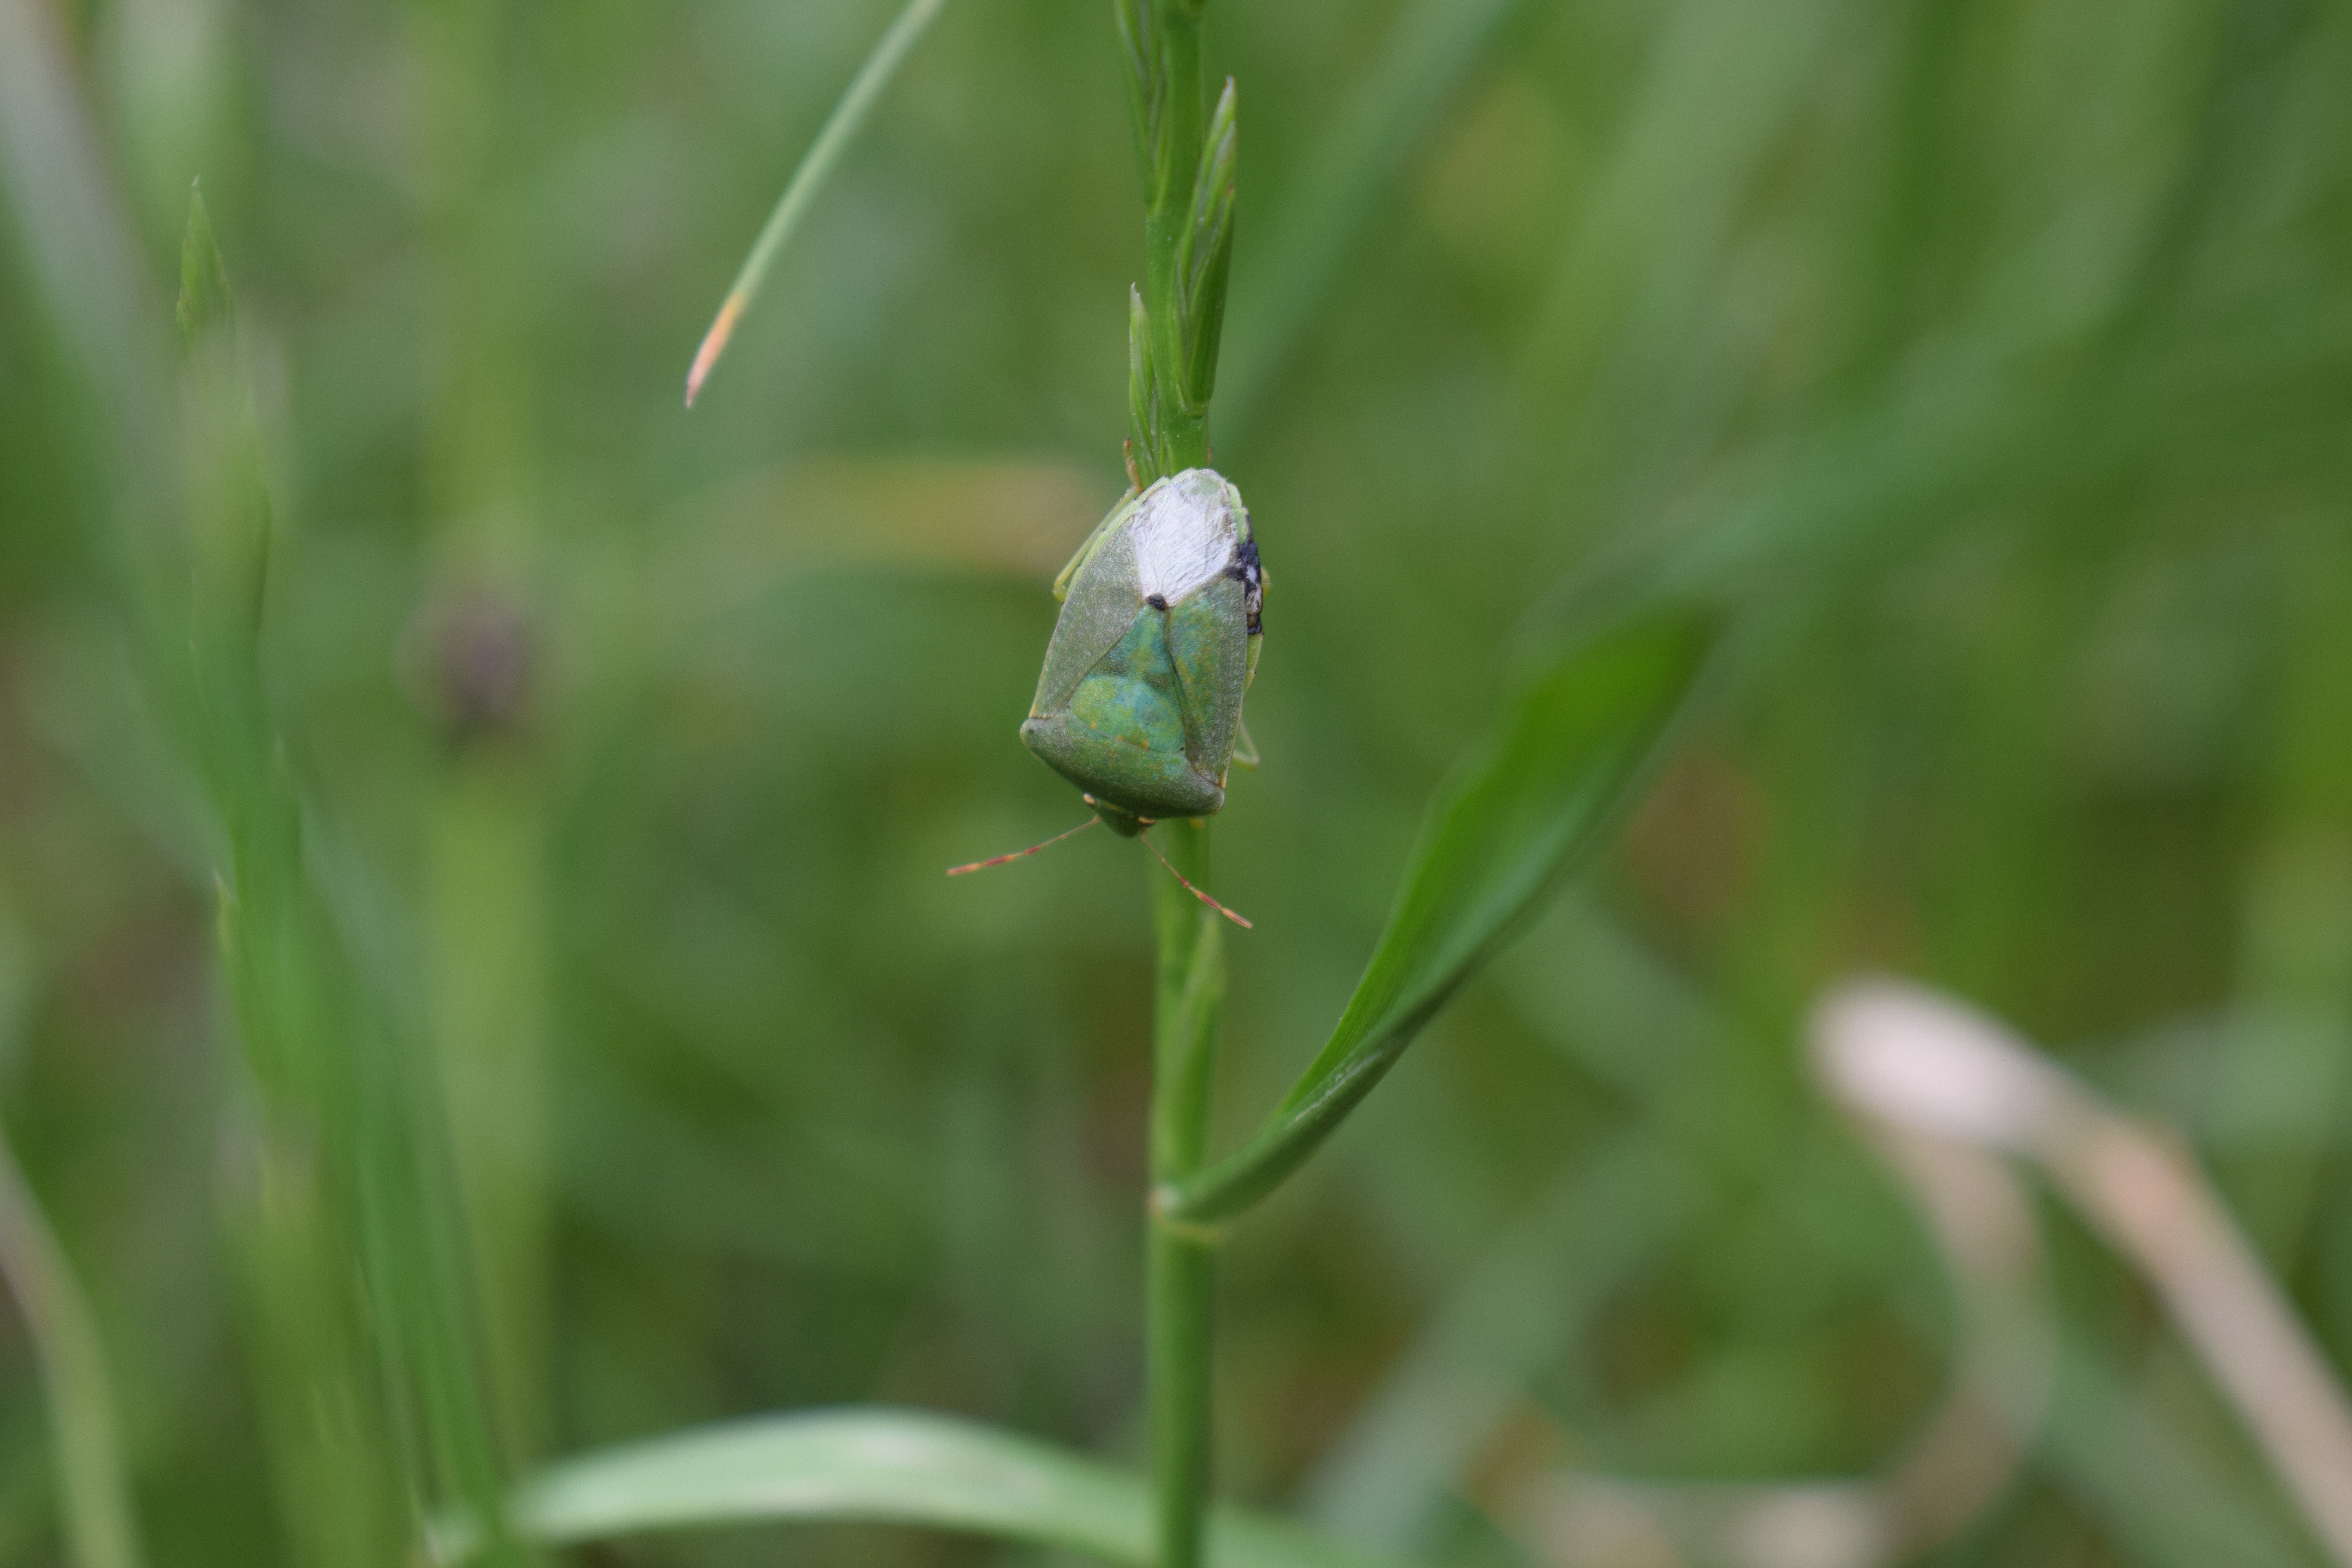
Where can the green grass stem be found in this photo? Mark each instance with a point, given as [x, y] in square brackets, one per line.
[1187, 159]
[1181, 1285]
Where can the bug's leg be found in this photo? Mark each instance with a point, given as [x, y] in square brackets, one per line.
[1017, 853]
[1244, 745]
[1134, 476]
[1196, 893]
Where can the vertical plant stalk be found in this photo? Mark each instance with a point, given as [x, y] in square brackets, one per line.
[1181, 1266]
[485, 878]
[1184, 439]
[345, 1228]
[1174, 323]
[1187, 157]
[1174, 326]
[338, 1483]
[1173, 330]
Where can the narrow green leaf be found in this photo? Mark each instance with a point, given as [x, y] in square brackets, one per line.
[1148, 82]
[1527, 806]
[2131, 1463]
[1205, 254]
[204, 304]
[227, 504]
[1145, 427]
[801, 190]
[370, 1395]
[876, 1466]
[102, 1527]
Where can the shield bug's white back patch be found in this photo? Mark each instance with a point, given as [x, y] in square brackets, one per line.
[1185, 536]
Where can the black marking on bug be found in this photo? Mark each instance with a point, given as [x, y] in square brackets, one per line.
[1244, 569]
[1155, 601]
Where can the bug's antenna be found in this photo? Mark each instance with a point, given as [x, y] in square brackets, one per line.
[1002, 859]
[1188, 888]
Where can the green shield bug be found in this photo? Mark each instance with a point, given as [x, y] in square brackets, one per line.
[1139, 703]
[1140, 700]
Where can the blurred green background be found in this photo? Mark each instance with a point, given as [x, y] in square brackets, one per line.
[1991, 359]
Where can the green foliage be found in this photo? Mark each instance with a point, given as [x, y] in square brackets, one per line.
[1204, 256]
[1526, 806]
[1188, 234]
[1986, 365]
[1208, 642]
[901, 1467]
[99, 1526]
[1145, 419]
[204, 306]
[370, 1398]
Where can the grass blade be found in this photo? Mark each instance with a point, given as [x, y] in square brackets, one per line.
[876, 1466]
[1522, 812]
[93, 1483]
[832, 139]
[91, 1480]
[339, 1102]
[2125, 1458]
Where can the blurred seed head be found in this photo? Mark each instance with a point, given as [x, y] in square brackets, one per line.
[468, 661]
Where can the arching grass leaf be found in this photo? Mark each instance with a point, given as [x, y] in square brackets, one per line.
[1527, 805]
[876, 1466]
